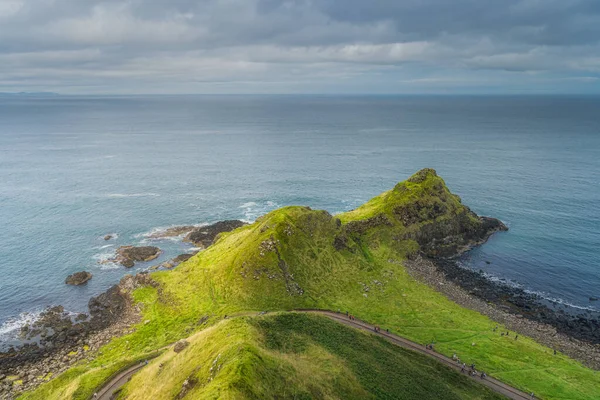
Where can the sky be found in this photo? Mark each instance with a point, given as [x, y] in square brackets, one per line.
[300, 46]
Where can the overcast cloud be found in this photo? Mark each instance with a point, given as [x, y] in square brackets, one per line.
[300, 46]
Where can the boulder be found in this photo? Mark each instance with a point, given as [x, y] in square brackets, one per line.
[108, 237]
[127, 256]
[205, 236]
[180, 346]
[78, 278]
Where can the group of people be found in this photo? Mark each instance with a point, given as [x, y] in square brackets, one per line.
[470, 369]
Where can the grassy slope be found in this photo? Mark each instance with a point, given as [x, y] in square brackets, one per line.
[275, 357]
[242, 271]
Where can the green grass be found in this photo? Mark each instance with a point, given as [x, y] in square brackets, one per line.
[275, 357]
[242, 272]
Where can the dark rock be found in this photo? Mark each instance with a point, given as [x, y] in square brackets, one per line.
[206, 235]
[180, 346]
[108, 237]
[129, 255]
[107, 307]
[362, 226]
[181, 258]
[593, 299]
[78, 278]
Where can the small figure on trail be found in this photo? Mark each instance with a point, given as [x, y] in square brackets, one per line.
[346, 313]
[225, 316]
[502, 334]
[532, 396]
[454, 356]
[554, 351]
[95, 395]
[483, 375]
[516, 337]
[462, 368]
[161, 365]
[387, 330]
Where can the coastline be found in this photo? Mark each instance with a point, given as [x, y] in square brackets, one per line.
[435, 273]
[34, 365]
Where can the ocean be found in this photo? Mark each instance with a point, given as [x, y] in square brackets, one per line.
[75, 168]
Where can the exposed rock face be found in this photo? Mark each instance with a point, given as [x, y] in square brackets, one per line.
[180, 346]
[78, 278]
[448, 237]
[107, 307]
[364, 225]
[129, 255]
[206, 235]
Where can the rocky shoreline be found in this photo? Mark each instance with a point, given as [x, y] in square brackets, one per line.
[61, 340]
[575, 336]
[57, 339]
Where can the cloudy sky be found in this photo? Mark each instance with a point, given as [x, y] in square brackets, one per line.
[300, 46]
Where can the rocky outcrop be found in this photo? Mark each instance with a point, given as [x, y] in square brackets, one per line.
[78, 278]
[205, 236]
[361, 226]
[127, 256]
[452, 236]
[172, 263]
[108, 237]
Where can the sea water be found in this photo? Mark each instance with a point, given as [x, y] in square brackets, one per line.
[74, 169]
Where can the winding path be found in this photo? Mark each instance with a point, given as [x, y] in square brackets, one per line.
[109, 388]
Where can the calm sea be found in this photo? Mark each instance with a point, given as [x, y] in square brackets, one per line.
[73, 169]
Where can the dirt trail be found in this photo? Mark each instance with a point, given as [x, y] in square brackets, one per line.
[109, 388]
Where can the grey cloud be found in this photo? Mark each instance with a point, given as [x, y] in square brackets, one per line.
[67, 43]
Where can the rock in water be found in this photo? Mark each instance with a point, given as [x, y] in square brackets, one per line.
[129, 255]
[205, 235]
[108, 237]
[180, 346]
[78, 278]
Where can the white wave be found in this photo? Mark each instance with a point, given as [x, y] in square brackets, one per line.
[11, 327]
[103, 260]
[253, 210]
[148, 236]
[542, 295]
[106, 246]
[122, 195]
[557, 300]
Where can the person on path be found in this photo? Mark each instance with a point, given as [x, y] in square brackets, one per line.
[346, 313]
[532, 396]
[516, 337]
[95, 395]
[462, 368]
[483, 375]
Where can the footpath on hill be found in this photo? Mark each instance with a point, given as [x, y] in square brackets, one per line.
[108, 390]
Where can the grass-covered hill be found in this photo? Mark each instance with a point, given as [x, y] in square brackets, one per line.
[292, 356]
[296, 257]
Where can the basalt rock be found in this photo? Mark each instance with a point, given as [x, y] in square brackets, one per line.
[78, 278]
[205, 236]
[129, 255]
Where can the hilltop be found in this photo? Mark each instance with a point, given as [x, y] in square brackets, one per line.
[296, 257]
